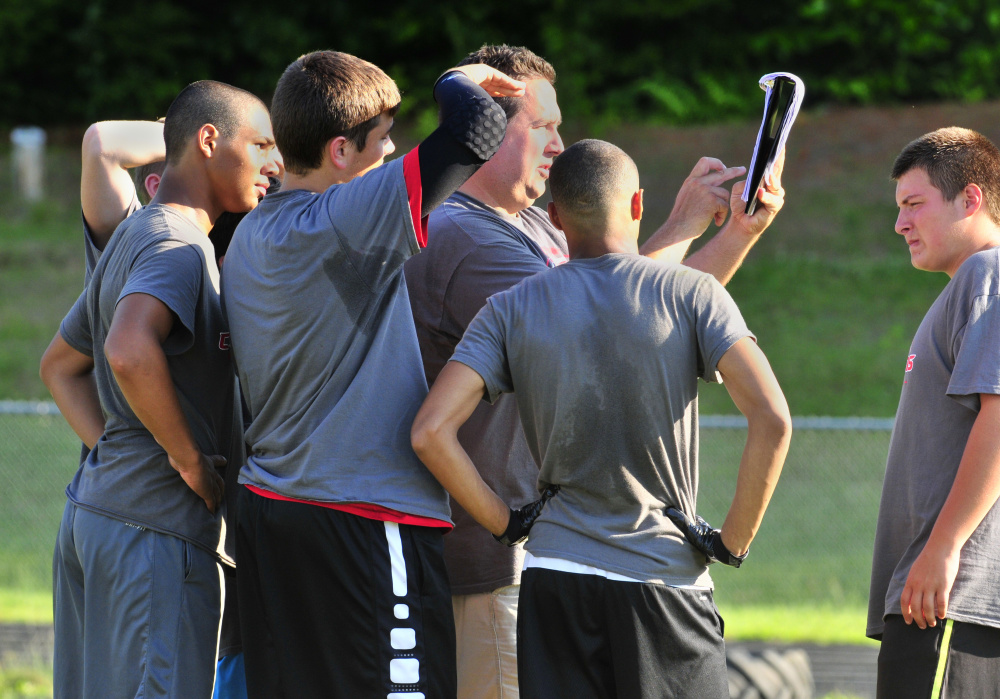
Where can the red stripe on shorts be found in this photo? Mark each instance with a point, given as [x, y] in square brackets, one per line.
[360, 509]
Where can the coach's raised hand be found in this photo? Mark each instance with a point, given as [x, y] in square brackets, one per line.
[770, 195]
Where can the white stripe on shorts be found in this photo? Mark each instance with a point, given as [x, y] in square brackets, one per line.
[396, 559]
[405, 670]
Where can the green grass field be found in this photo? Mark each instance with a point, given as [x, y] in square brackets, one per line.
[39, 458]
[807, 578]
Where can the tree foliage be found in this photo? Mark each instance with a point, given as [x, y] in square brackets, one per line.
[678, 61]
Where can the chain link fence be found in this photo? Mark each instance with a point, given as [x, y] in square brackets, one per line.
[813, 548]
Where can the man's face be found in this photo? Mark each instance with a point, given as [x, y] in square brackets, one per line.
[930, 224]
[245, 161]
[522, 163]
[378, 145]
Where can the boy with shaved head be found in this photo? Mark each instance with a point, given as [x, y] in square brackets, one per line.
[485, 239]
[934, 602]
[140, 369]
[603, 354]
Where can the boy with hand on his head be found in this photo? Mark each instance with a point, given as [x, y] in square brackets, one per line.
[342, 585]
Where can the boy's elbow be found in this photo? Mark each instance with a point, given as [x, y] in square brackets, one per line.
[772, 419]
[47, 369]
[123, 361]
[421, 438]
[56, 363]
[779, 422]
[426, 435]
[92, 143]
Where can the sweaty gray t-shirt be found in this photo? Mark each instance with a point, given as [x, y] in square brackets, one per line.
[955, 356]
[603, 356]
[472, 253]
[158, 252]
[325, 348]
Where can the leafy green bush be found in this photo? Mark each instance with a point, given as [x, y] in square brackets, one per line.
[678, 62]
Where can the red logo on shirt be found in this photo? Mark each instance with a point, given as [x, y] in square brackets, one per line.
[909, 362]
[224, 343]
[556, 256]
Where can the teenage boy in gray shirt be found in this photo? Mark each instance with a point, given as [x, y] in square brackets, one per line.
[603, 356]
[140, 369]
[342, 584]
[122, 165]
[485, 239]
[938, 530]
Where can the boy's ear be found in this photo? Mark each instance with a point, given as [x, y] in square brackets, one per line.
[208, 139]
[151, 183]
[338, 150]
[636, 206]
[972, 197]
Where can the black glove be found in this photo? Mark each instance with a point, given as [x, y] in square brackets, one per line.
[522, 519]
[705, 538]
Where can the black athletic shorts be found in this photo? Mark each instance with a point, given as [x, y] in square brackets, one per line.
[584, 636]
[953, 660]
[336, 605]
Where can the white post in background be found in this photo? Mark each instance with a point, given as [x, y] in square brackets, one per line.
[29, 160]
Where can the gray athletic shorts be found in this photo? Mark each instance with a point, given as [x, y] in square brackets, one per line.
[137, 612]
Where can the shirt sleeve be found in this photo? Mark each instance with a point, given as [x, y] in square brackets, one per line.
[91, 252]
[977, 362]
[76, 327]
[488, 269]
[173, 273]
[371, 218]
[484, 350]
[720, 325]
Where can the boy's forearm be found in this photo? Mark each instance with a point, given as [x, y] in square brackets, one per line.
[724, 253]
[145, 381]
[755, 390]
[977, 482]
[125, 144]
[764, 454]
[452, 399]
[69, 376]
[671, 241]
[78, 401]
[450, 464]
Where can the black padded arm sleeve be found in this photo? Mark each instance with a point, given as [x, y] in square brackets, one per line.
[471, 130]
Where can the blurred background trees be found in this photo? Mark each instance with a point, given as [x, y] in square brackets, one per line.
[665, 61]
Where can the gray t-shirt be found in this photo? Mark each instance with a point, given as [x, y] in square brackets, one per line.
[603, 356]
[325, 347]
[161, 253]
[953, 358]
[472, 253]
[91, 253]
